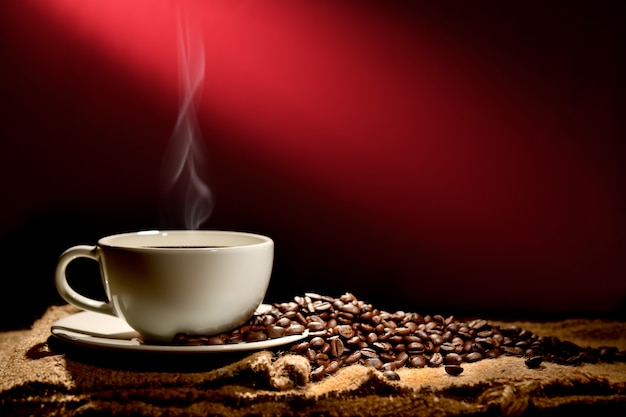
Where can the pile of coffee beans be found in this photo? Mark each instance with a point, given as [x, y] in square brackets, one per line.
[344, 331]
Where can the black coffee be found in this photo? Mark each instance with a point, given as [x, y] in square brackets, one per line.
[184, 247]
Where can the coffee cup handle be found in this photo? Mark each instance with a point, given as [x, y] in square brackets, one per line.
[67, 292]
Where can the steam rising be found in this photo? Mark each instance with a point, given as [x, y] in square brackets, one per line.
[183, 163]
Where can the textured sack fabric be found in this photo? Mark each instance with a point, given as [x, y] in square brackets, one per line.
[41, 376]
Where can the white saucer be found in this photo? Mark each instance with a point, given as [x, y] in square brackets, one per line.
[91, 329]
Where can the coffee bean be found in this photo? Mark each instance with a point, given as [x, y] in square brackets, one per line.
[336, 347]
[351, 309]
[477, 324]
[294, 329]
[274, 332]
[473, 357]
[374, 362]
[369, 353]
[401, 359]
[283, 322]
[447, 348]
[256, 336]
[454, 370]
[388, 366]
[391, 375]
[453, 359]
[316, 326]
[534, 362]
[435, 360]
[322, 358]
[353, 358]
[332, 367]
[417, 361]
[318, 373]
[371, 338]
[436, 339]
[355, 340]
[422, 335]
[344, 331]
[513, 351]
[317, 342]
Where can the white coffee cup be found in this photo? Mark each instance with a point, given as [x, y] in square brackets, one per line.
[183, 281]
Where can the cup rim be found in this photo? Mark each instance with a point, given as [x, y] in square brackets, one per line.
[116, 241]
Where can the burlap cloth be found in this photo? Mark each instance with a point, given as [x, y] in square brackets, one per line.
[40, 376]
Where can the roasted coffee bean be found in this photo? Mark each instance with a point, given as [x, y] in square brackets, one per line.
[453, 359]
[318, 373]
[493, 353]
[331, 323]
[454, 370]
[417, 361]
[383, 346]
[473, 357]
[485, 333]
[447, 348]
[391, 375]
[367, 315]
[343, 331]
[411, 325]
[332, 367]
[374, 362]
[401, 359]
[322, 358]
[453, 327]
[477, 324]
[317, 342]
[436, 339]
[534, 362]
[294, 329]
[513, 351]
[301, 319]
[402, 331]
[215, 340]
[422, 335]
[371, 338]
[256, 336]
[268, 320]
[283, 322]
[369, 353]
[355, 340]
[323, 306]
[353, 358]
[336, 347]
[351, 309]
[400, 347]
[274, 332]
[435, 360]
[316, 326]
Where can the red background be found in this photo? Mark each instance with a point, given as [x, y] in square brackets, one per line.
[466, 158]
